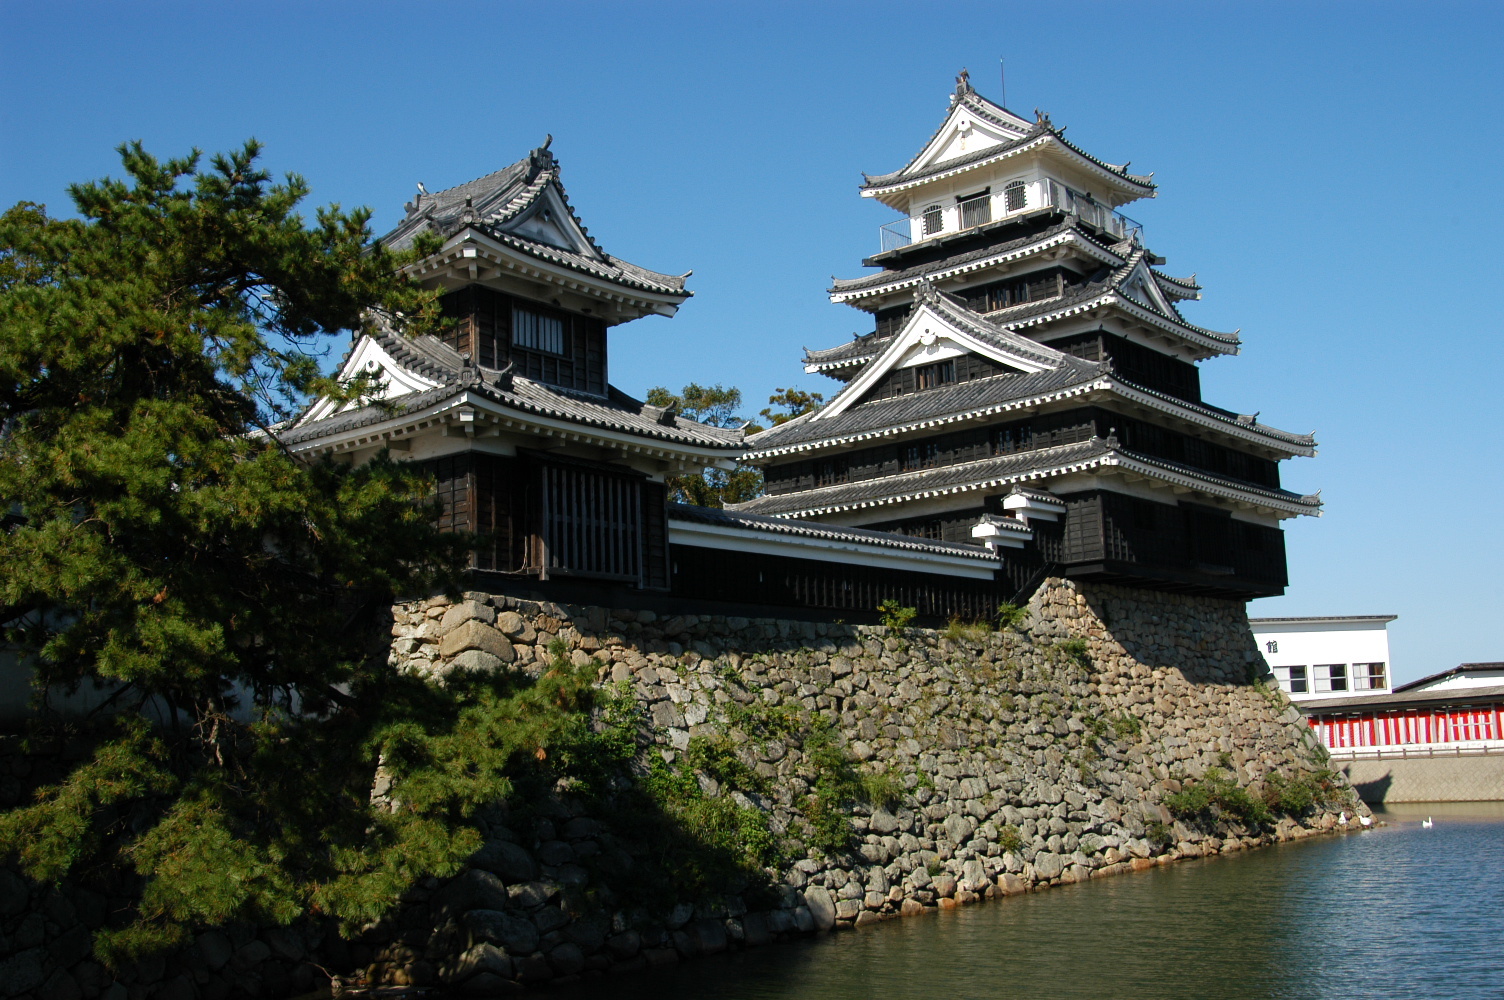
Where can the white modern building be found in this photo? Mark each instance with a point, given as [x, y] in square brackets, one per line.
[1327, 656]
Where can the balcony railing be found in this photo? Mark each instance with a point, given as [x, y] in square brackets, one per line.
[978, 212]
[895, 235]
[1090, 210]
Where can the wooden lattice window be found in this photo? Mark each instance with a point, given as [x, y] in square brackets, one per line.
[537, 330]
[592, 523]
[938, 374]
[1015, 196]
[934, 220]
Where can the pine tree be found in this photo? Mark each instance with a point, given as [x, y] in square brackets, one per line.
[716, 406]
[160, 545]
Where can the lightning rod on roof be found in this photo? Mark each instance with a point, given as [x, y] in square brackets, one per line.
[1002, 79]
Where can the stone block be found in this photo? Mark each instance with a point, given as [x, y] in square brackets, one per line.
[507, 860]
[463, 613]
[820, 908]
[477, 635]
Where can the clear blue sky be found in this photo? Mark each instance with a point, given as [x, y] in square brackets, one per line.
[1330, 171]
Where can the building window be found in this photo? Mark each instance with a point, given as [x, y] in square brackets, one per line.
[921, 455]
[830, 471]
[1271, 646]
[934, 221]
[1331, 677]
[537, 331]
[976, 210]
[1292, 679]
[1368, 677]
[938, 374]
[1014, 197]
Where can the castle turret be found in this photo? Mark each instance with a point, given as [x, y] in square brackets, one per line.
[1029, 366]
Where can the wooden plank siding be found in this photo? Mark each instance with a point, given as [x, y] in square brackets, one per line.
[1138, 364]
[752, 578]
[1045, 431]
[904, 381]
[546, 517]
[482, 328]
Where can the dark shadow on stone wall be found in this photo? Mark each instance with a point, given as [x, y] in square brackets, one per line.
[1372, 792]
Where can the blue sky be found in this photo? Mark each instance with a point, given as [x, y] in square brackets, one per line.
[1331, 172]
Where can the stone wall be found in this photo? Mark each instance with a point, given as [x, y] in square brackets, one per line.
[1027, 757]
[1022, 758]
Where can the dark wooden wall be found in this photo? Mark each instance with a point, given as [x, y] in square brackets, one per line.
[903, 381]
[1045, 431]
[483, 325]
[545, 517]
[718, 575]
[1135, 363]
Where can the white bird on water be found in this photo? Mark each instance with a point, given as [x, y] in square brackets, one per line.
[1427, 823]
[1366, 820]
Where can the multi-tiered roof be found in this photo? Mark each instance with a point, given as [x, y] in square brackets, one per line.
[1025, 342]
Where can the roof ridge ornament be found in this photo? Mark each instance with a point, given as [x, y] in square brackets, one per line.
[963, 84]
[1042, 118]
[503, 379]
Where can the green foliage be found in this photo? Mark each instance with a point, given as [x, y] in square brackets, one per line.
[792, 403]
[894, 615]
[1075, 648]
[959, 631]
[1217, 796]
[837, 785]
[1010, 616]
[162, 544]
[716, 406]
[1127, 725]
[1160, 834]
[1010, 839]
[1303, 793]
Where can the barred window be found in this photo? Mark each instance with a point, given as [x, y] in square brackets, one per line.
[537, 330]
[934, 221]
[976, 210]
[1014, 196]
[930, 376]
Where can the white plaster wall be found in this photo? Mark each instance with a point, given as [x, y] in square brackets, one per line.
[1312, 644]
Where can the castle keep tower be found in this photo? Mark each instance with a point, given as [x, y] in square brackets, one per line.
[1030, 384]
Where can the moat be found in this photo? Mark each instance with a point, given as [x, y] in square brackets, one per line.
[1400, 911]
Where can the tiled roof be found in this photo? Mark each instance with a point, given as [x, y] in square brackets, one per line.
[435, 361]
[988, 473]
[814, 529]
[899, 276]
[1490, 694]
[1313, 501]
[1042, 131]
[913, 409]
[864, 346]
[488, 203]
[947, 479]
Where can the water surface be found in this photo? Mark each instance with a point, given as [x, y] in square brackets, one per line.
[1400, 911]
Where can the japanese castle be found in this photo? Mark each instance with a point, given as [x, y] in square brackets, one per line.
[1027, 403]
[1030, 383]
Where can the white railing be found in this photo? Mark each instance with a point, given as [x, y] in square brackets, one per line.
[1090, 210]
[895, 235]
[1469, 748]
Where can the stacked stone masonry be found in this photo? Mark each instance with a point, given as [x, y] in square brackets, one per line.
[1028, 757]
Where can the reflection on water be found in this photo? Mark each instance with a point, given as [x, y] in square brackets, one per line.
[1400, 911]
